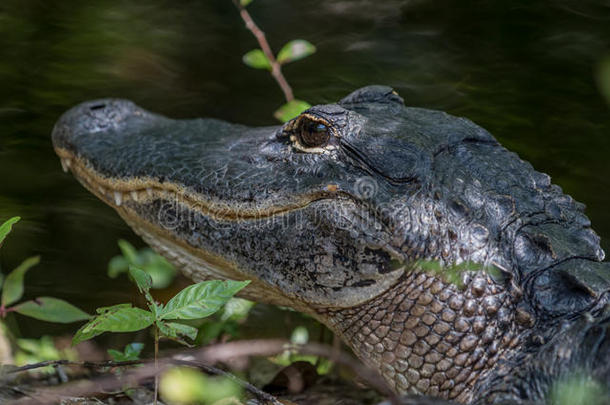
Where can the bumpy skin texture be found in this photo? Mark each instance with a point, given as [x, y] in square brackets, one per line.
[333, 214]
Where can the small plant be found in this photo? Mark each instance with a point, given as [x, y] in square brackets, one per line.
[194, 302]
[263, 58]
[159, 269]
[131, 352]
[38, 350]
[44, 308]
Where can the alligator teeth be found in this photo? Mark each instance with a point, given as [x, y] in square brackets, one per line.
[118, 198]
[101, 190]
[65, 164]
[134, 195]
[149, 192]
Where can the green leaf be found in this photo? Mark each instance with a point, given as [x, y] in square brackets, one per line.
[290, 110]
[51, 310]
[117, 265]
[244, 3]
[257, 59]
[201, 299]
[185, 385]
[129, 252]
[13, 285]
[101, 310]
[181, 329]
[131, 352]
[6, 228]
[122, 319]
[295, 50]
[141, 278]
[159, 269]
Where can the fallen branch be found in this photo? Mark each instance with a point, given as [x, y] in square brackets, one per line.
[201, 358]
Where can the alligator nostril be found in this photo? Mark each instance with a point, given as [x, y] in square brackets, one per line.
[97, 107]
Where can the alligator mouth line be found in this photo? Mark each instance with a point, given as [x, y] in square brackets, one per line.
[116, 192]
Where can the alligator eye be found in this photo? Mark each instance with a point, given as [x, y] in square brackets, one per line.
[313, 134]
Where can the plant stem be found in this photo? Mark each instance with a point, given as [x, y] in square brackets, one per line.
[276, 68]
[156, 362]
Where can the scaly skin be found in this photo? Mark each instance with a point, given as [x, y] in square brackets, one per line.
[340, 212]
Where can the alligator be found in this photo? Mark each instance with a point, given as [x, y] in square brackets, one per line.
[442, 259]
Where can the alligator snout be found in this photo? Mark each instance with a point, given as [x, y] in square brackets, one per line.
[93, 117]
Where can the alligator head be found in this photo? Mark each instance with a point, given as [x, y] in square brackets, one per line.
[441, 258]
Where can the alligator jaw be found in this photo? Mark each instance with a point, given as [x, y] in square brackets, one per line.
[197, 263]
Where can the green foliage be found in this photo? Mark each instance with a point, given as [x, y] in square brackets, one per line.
[185, 385]
[196, 301]
[226, 321]
[123, 319]
[51, 310]
[295, 50]
[159, 269]
[44, 308]
[13, 285]
[299, 336]
[245, 3]
[36, 350]
[131, 352]
[291, 51]
[201, 300]
[453, 274]
[578, 389]
[6, 228]
[290, 110]
[257, 59]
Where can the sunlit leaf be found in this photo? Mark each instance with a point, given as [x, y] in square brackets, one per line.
[201, 299]
[257, 59]
[120, 320]
[13, 285]
[244, 3]
[141, 278]
[117, 265]
[101, 310]
[129, 252]
[295, 50]
[236, 309]
[290, 110]
[176, 330]
[6, 228]
[185, 385]
[160, 270]
[51, 310]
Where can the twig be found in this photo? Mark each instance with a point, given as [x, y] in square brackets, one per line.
[276, 68]
[87, 364]
[156, 363]
[244, 384]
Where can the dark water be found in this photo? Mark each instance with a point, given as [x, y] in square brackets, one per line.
[525, 70]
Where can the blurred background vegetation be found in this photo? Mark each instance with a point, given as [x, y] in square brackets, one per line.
[533, 73]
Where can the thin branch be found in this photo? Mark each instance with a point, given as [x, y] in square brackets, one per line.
[86, 364]
[276, 68]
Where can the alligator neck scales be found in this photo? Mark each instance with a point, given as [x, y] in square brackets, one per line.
[337, 213]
